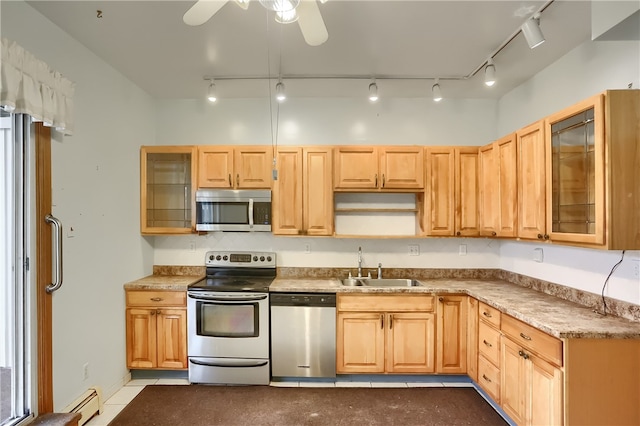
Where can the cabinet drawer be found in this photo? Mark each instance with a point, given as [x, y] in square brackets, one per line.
[489, 343]
[489, 314]
[546, 346]
[385, 303]
[489, 378]
[156, 298]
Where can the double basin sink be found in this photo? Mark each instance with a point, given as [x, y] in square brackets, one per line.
[383, 282]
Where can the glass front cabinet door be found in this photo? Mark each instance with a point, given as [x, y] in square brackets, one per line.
[592, 172]
[167, 189]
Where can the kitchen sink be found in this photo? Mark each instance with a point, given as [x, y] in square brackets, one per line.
[384, 282]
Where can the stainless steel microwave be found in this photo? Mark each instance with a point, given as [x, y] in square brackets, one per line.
[233, 210]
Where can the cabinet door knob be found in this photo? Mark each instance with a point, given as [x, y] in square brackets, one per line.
[158, 312]
[376, 179]
[494, 233]
[390, 321]
[546, 236]
[487, 343]
[458, 233]
[383, 180]
[441, 299]
[238, 180]
[382, 321]
[230, 183]
[152, 313]
[523, 354]
[486, 314]
[486, 378]
[540, 236]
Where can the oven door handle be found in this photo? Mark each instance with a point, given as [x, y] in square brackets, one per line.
[233, 364]
[228, 299]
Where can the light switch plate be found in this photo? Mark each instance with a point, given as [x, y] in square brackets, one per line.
[414, 250]
[462, 250]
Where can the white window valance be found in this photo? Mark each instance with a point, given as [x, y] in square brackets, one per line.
[29, 86]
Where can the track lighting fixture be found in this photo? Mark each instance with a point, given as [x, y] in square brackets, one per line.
[490, 73]
[280, 95]
[532, 32]
[373, 91]
[435, 90]
[211, 91]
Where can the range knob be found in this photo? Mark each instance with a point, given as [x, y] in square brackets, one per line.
[211, 257]
[255, 258]
[225, 257]
[268, 258]
[261, 258]
[218, 257]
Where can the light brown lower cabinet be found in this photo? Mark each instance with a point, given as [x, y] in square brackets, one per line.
[451, 354]
[385, 334]
[156, 330]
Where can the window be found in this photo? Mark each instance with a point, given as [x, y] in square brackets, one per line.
[15, 311]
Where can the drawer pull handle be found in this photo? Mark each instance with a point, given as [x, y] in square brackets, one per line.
[486, 378]
[523, 354]
[156, 299]
[524, 336]
[487, 343]
[486, 314]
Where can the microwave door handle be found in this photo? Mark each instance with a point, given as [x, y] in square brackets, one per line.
[250, 212]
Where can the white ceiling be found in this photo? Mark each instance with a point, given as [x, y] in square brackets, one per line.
[148, 42]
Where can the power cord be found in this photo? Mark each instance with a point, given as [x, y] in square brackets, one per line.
[604, 302]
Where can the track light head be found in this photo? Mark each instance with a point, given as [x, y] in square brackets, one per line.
[280, 95]
[211, 92]
[532, 32]
[490, 73]
[373, 92]
[435, 91]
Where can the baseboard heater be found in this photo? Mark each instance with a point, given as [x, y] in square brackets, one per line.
[88, 404]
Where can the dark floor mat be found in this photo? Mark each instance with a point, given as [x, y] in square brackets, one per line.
[199, 405]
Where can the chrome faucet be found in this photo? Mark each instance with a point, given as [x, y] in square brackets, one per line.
[359, 262]
[379, 271]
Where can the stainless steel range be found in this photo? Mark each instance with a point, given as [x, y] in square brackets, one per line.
[228, 319]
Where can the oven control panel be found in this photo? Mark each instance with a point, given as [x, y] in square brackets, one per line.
[240, 259]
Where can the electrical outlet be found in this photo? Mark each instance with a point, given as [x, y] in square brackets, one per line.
[636, 269]
[538, 255]
[414, 250]
[85, 371]
[192, 245]
[462, 250]
[307, 248]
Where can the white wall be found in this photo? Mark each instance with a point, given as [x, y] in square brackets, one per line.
[95, 177]
[587, 70]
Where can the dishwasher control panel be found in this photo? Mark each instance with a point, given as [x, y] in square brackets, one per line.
[303, 299]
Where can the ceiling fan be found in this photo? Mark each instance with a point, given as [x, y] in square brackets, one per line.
[305, 12]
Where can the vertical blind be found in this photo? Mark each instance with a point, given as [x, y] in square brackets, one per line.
[29, 86]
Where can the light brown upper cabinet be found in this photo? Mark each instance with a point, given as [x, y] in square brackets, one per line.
[497, 202]
[451, 195]
[167, 189]
[531, 182]
[593, 178]
[303, 192]
[235, 167]
[379, 168]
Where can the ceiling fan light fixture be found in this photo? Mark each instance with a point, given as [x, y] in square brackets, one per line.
[243, 4]
[436, 92]
[280, 5]
[490, 73]
[287, 17]
[532, 32]
[373, 92]
[280, 95]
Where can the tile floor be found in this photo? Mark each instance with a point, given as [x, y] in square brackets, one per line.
[120, 399]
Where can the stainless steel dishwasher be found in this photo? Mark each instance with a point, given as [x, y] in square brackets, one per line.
[303, 335]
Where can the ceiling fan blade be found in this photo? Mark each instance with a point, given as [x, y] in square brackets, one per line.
[202, 11]
[311, 23]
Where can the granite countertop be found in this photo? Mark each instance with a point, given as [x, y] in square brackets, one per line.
[163, 282]
[555, 316]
